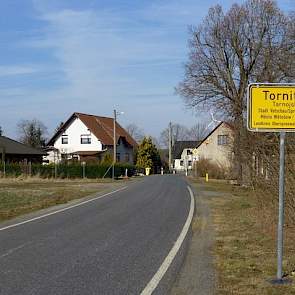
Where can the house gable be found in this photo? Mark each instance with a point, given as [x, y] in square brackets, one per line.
[101, 127]
[76, 136]
[217, 146]
[88, 135]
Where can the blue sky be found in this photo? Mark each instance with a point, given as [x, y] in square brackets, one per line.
[62, 56]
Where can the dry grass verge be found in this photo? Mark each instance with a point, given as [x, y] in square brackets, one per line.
[245, 248]
[20, 196]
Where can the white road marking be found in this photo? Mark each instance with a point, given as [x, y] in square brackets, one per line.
[62, 210]
[13, 250]
[154, 282]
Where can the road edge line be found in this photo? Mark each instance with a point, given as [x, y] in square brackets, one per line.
[62, 210]
[156, 279]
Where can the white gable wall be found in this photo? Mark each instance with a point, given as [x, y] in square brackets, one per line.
[74, 132]
[186, 160]
[219, 154]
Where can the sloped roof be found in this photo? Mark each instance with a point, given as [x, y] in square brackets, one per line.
[16, 148]
[228, 125]
[101, 127]
[179, 146]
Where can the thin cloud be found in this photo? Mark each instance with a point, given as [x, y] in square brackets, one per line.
[109, 58]
[98, 59]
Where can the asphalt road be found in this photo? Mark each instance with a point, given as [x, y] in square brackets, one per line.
[113, 245]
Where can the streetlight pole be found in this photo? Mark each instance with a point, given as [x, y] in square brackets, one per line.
[115, 141]
[115, 144]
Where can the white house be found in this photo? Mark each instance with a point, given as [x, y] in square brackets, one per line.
[85, 136]
[183, 155]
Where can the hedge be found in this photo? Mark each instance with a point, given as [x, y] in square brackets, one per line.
[66, 170]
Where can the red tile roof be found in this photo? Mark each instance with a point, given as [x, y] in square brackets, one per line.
[101, 127]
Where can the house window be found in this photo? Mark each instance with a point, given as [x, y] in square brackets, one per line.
[188, 152]
[190, 163]
[181, 163]
[118, 157]
[85, 139]
[127, 157]
[222, 139]
[64, 139]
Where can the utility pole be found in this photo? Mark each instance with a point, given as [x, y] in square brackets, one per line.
[115, 145]
[170, 146]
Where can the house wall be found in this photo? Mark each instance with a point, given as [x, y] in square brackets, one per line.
[187, 160]
[52, 157]
[20, 158]
[122, 149]
[177, 165]
[74, 132]
[219, 154]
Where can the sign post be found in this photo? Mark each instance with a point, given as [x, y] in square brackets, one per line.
[271, 108]
[281, 206]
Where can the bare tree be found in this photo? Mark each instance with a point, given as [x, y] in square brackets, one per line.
[32, 132]
[249, 43]
[197, 132]
[59, 126]
[1, 131]
[179, 132]
[135, 132]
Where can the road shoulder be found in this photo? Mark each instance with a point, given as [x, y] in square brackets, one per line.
[197, 275]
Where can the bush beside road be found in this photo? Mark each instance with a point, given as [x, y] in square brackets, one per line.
[66, 170]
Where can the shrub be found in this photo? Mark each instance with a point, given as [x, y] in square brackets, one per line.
[214, 170]
[73, 170]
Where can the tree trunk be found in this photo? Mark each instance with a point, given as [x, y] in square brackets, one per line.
[238, 153]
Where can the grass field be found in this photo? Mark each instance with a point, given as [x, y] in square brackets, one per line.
[245, 246]
[19, 196]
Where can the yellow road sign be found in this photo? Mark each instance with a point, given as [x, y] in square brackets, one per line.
[271, 107]
[195, 151]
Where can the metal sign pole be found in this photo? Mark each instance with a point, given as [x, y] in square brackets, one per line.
[260, 118]
[281, 206]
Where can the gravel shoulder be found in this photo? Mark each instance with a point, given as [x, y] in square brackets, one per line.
[197, 275]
